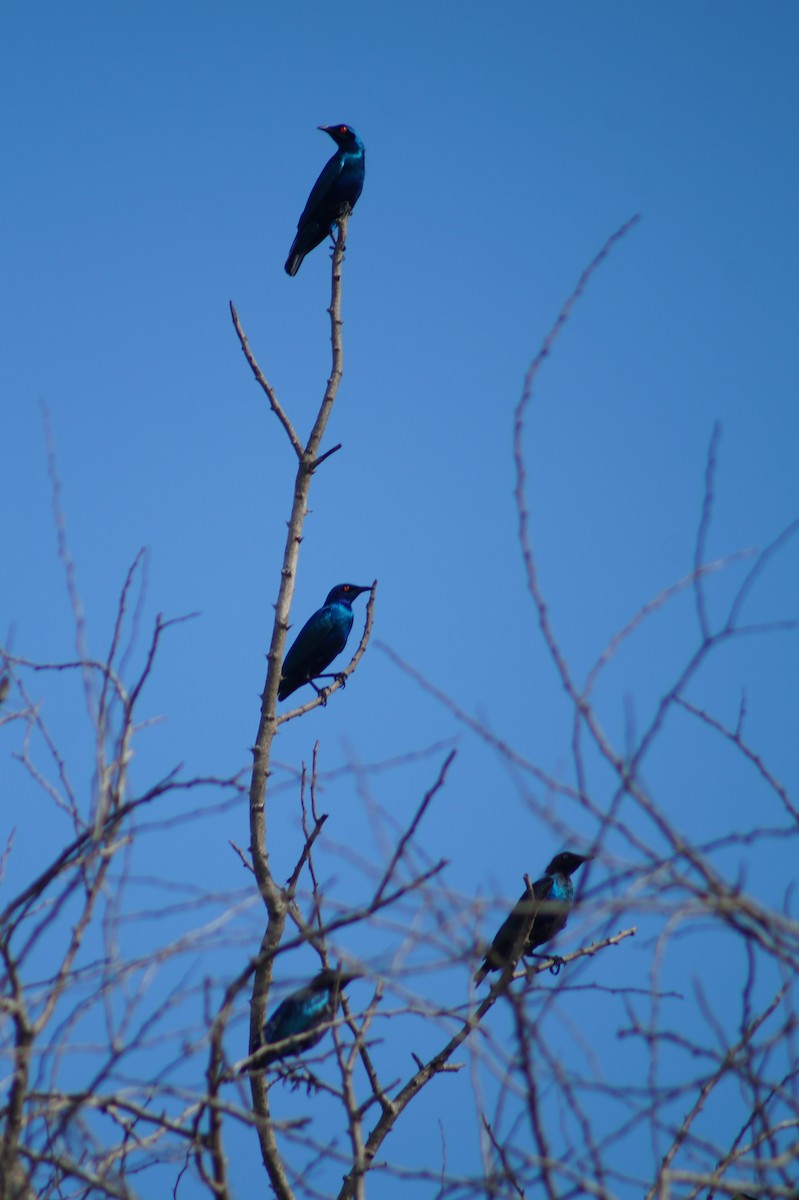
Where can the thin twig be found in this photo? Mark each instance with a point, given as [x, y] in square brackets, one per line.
[264, 383]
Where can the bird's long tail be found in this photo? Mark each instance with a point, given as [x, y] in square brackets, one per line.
[480, 974]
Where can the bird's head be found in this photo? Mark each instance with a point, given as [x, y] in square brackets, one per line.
[328, 979]
[566, 863]
[343, 135]
[345, 593]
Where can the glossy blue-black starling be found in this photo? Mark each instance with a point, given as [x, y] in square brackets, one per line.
[303, 1018]
[336, 189]
[546, 913]
[322, 637]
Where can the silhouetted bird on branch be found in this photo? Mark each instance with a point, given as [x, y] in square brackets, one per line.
[303, 1018]
[334, 193]
[546, 912]
[320, 640]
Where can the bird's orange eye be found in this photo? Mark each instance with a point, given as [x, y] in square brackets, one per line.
[343, 129]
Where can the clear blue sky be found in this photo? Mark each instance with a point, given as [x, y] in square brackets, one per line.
[156, 159]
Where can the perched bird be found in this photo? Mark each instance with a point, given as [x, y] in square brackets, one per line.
[303, 1017]
[322, 637]
[336, 189]
[546, 913]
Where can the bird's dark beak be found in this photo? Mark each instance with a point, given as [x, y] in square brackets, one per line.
[324, 128]
[358, 590]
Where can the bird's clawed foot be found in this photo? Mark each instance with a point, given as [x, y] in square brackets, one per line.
[556, 962]
[297, 1077]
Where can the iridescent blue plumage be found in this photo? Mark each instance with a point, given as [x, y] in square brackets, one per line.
[548, 910]
[320, 640]
[336, 190]
[303, 1018]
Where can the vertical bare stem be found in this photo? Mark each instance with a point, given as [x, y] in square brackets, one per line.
[272, 894]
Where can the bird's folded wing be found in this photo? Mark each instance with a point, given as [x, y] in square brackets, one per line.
[329, 175]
